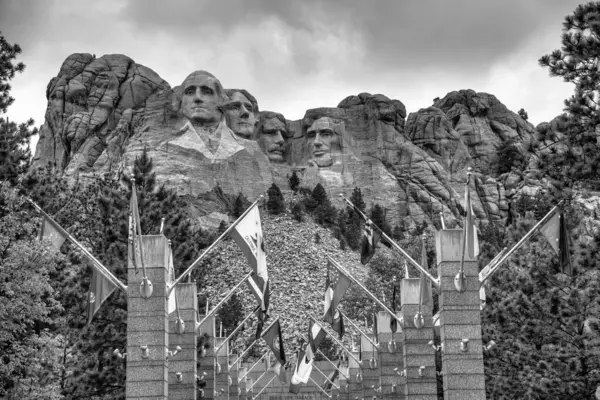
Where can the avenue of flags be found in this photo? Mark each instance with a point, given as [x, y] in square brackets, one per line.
[248, 235]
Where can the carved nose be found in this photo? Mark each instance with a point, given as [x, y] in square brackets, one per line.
[278, 138]
[318, 139]
[244, 112]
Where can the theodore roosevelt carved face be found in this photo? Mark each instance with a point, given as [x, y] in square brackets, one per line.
[271, 135]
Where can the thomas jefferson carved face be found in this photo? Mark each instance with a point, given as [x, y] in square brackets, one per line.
[322, 140]
[202, 95]
[271, 136]
[241, 117]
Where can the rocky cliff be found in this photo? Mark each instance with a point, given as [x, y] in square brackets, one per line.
[102, 112]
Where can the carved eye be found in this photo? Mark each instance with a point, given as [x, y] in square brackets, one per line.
[189, 91]
[325, 133]
[208, 91]
[311, 134]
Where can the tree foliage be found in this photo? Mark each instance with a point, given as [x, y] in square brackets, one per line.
[575, 158]
[275, 203]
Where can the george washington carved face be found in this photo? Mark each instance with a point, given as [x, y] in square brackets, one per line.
[202, 94]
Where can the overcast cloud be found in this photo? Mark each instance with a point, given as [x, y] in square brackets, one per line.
[296, 55]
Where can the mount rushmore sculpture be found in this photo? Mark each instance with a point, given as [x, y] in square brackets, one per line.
[103, 112]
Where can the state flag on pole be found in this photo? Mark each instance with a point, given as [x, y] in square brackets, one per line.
[100, 289]
[134, 249]
[369, 242]
[339, 285]
[471, 237]
[394, 321]
[424, 283]
[171, 302]
[275, 342]
[316, 334]
[49, 231]
[328, 297]
[338, 323]
[302, 371]
[555, 231]
[248, 235]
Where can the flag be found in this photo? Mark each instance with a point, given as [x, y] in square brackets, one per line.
[472, 247]
[303, 369]
[555, 231]
[248, 235]
[275, 342]
[338, 323]
[340, 285]
[327, 317]
[332, 377]
[369, 242]
[482, 299]
[171, 302]
[393, 321]
[375, 327]
[100, 289]
[134, 249]
[316, 334]
[50, 231]
[424, 283]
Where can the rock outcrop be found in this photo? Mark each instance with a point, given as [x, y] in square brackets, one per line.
[102, 113]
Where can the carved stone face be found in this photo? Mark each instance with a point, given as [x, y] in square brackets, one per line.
[270, 138]
[201, 99]
[322, 140]
[240, 115]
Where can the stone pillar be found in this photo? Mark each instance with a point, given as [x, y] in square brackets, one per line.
[343, 391]
[206, 366]
[242, 379]
[221, 370]
[355, 389]
[419, 356]
[460, 321]
[234, 375]
[249, 388]
[184, 362]
[147, 325]
[370, 372]
[390, 358]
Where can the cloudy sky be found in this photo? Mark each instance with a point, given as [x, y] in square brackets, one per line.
[296, 55]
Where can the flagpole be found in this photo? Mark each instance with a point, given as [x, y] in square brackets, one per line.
[331, 362]
[263, 389]
[335, 340]
[209, 249]
[326, 377]
[252, 344]
[95, 263]
[371, 295]
[459, 280]
[237, 328]
[258, 379]
[319, 351]
[520, 242]
[317, 385]
[493, 262]
[253, 365]
[138, 227]
[215, 308]
[424, 237]
[433, 280]
[376, 345]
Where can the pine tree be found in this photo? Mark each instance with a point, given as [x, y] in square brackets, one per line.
[276, 202]
[319, 195]
[294, 182]
[357, 199]
[31, 312]
[576, 62]
[298, 211]
[544, 323]
[15, 154]
[240, 205]
[378, 218]
[575, 158]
